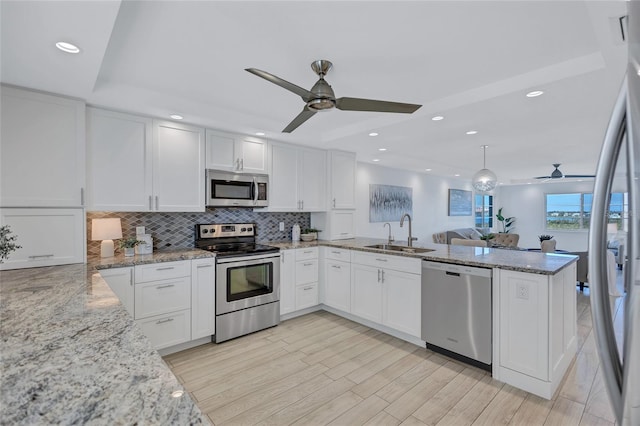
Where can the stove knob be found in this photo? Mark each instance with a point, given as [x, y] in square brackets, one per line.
[205, 231]
[243, 229]
[249, 229]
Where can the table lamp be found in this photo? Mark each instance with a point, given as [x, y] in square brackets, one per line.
[106, 230]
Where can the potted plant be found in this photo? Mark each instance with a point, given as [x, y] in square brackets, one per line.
[309, 234]
[547, 244]
[129, 244]
[507, 222]
[7, 243]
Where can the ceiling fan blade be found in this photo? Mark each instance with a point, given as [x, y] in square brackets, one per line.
[543, 177]
[358, 104]
[303, 93]
[579, 176]
[301, 118]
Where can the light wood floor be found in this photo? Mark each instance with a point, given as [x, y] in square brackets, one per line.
[322, 369]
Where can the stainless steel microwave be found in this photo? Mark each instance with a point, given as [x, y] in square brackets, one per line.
[229, 189]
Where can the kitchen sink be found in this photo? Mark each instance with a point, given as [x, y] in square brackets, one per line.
[403, 249]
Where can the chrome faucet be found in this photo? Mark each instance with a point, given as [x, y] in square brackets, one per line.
[411, 239]
[390, 236]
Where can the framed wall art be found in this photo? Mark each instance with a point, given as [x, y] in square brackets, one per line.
[460, 202]
[387, 203]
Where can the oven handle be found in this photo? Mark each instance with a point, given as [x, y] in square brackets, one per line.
[248, 258]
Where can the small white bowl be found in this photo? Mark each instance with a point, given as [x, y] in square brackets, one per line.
[307, 237]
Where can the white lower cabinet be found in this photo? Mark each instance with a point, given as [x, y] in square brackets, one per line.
[337, 284]
[401, 293]
[386, 290]
[366, 292]
[298, 279]
[203, 298]
[47, 236]
[120, 280]
[167, 329]
[173, 302]
[287, 281]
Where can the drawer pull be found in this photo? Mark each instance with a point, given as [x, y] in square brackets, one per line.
[344, 233]
[308, 288]
[36, 256]
[164, 321]
[308, 252]
[336, 266]
[205, 266]
[381, 260]
[165, 269]
[335, 252]
[165, 286]
[307, 264]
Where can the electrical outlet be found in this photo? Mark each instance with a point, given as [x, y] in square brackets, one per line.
[522, 292]
[281, 226]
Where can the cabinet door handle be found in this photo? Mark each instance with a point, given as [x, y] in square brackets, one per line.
[166, 268]
[334, 203]
[344, 233]
[150, 202]
[301, 204]
[378, 275]
[165, 286]
[37, 256]
[131, 277]
[282, 258]
[164, 321]
[383, 275]
[242, 164]
[82, 196]
[381, 260]
[157, 203]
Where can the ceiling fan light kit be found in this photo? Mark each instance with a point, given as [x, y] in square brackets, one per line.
[321, 97]
[484, 180]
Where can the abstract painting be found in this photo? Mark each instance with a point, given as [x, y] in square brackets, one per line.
[459, 202]
[387, 203]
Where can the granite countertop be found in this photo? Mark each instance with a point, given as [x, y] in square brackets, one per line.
[514, 260]
[120, 261]
[72, 354]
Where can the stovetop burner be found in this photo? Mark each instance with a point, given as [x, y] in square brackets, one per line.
[230, 239]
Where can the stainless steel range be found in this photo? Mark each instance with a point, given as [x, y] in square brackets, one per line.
[247, 279]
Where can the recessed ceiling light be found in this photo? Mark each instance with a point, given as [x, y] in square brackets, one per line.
[376, 160]
[373, 134]
[176, 117]
[382, 149]
[528, 183]
[67, 47]
[472, 132]
[437, 118]
[534, 94]
[259, 133]
[427, 170]
[457, 174]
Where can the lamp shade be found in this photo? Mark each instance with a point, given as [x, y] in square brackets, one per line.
[106, 229]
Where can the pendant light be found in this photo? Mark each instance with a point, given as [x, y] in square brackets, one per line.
[484, 180]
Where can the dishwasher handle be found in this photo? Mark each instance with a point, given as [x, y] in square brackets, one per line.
[455, 274]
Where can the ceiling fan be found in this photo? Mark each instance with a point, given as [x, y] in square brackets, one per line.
[321, 97]
[557, 174]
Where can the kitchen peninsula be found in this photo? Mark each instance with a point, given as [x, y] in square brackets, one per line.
[71, 352]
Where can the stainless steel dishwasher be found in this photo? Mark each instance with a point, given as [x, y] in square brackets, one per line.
[456, 311]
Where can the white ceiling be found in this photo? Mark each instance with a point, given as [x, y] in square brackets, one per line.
[470, 61]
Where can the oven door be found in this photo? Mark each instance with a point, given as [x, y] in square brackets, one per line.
[244, 282]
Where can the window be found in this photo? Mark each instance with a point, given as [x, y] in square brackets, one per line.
[573, 211]
[484, 211]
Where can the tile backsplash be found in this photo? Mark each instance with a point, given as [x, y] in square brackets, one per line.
[177, 230]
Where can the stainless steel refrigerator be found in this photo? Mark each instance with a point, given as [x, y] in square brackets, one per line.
[620, 158]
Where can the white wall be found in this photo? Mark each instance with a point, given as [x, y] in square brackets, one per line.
[430, 199]
[527, 204]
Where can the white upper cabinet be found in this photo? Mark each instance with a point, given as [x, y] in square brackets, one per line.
[178, 167]
[43, 150]
[297, 180]
[243, 154]
[140, 164]
[342, 175]
[119, 161]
